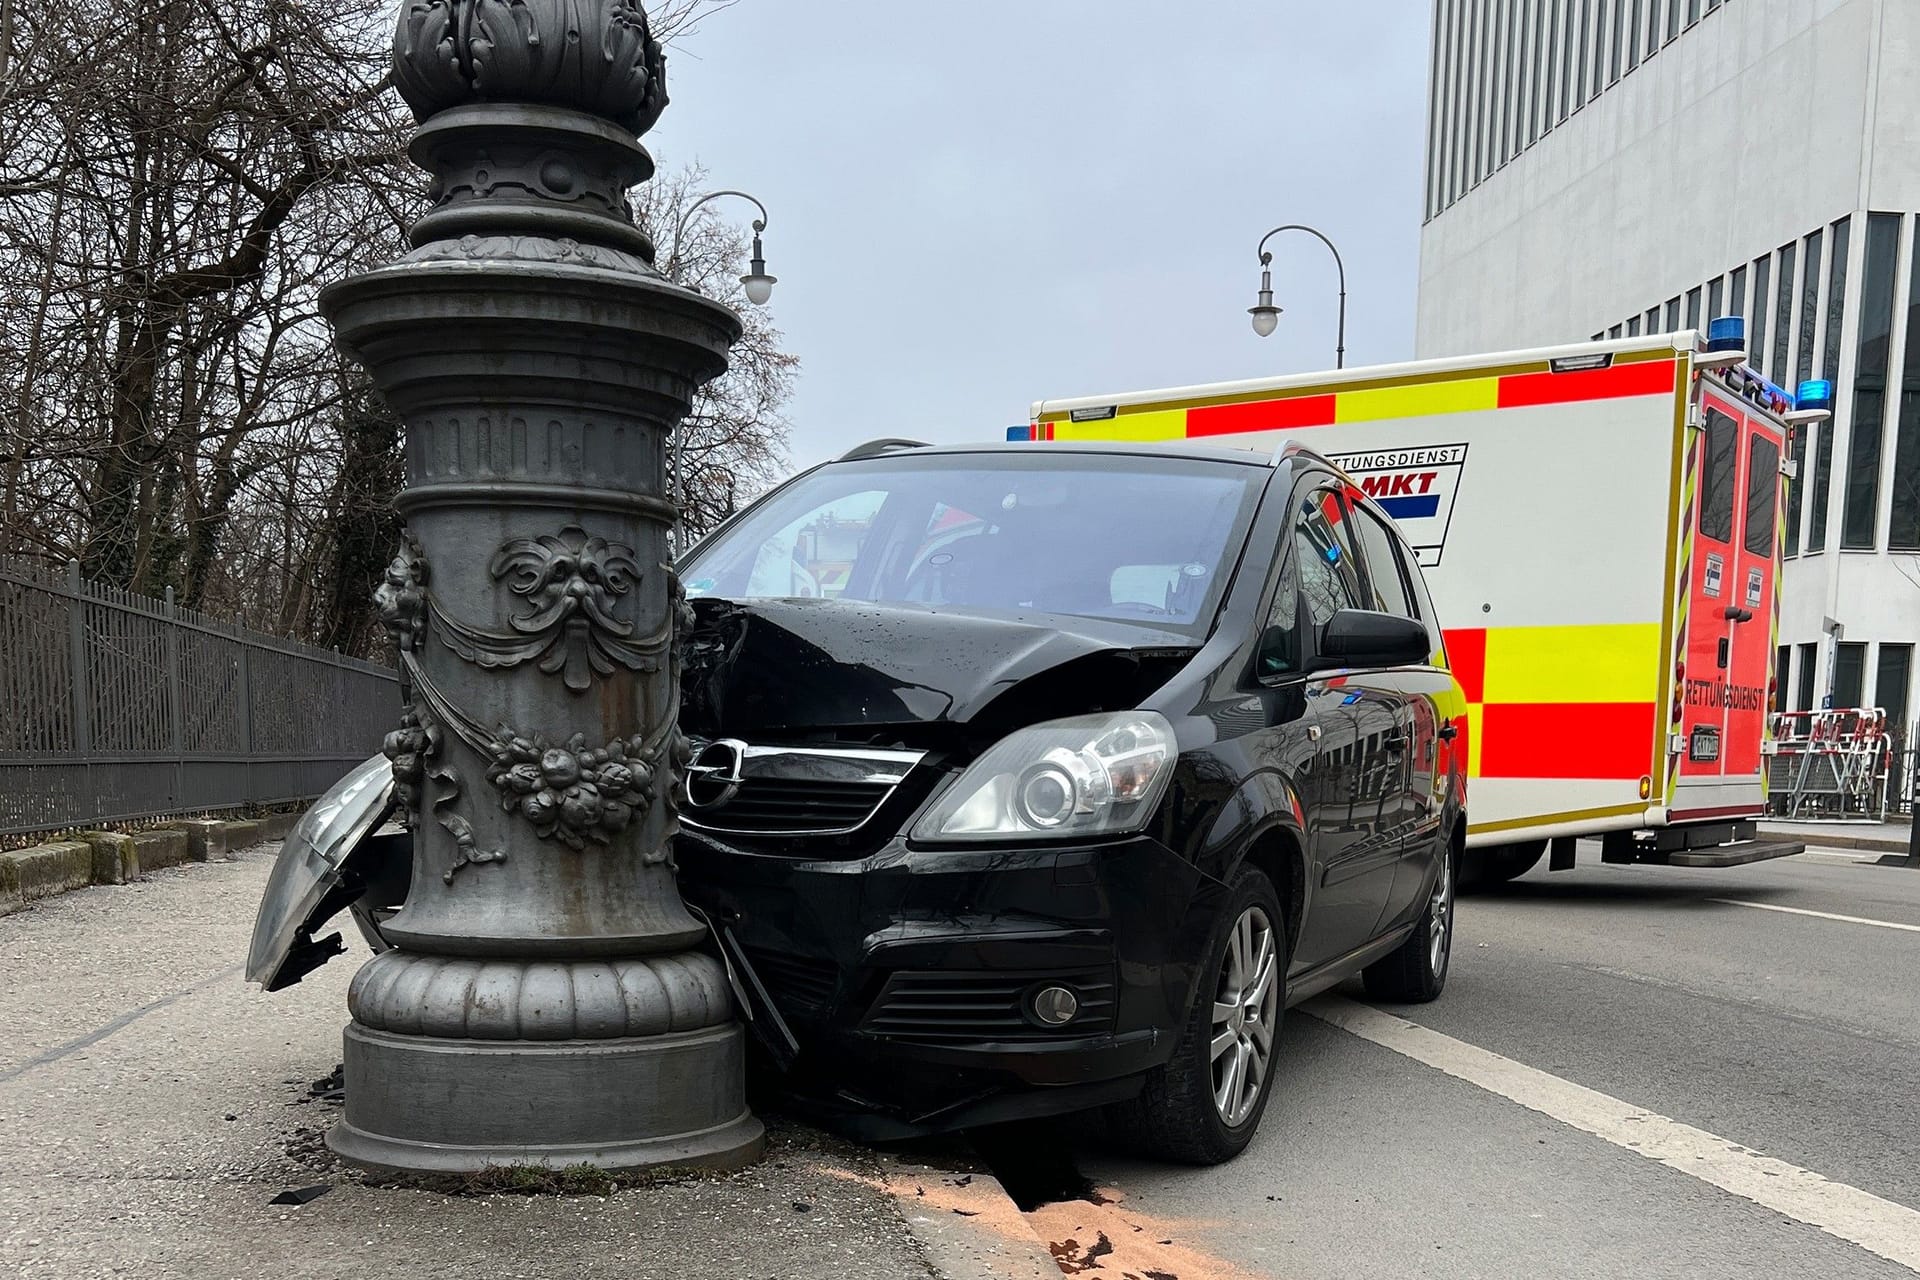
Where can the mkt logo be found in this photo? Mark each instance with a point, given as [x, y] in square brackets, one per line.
[1415, 486]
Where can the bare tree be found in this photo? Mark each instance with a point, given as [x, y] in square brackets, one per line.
[178, 178]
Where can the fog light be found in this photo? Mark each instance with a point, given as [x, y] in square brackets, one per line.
[1055, 1006]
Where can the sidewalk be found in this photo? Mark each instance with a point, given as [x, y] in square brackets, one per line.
[1868, 837]
[153, 1105]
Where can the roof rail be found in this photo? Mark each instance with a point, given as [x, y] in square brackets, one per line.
[874, 448]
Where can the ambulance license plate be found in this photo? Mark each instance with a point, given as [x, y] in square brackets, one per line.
[1704, 745]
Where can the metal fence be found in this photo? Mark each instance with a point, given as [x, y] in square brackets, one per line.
[115, 707]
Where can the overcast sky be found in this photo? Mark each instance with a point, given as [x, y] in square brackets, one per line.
[975, 206]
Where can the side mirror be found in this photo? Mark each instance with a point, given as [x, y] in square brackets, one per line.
[1362, 638]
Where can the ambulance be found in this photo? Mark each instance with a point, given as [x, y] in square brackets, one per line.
[1600, 526]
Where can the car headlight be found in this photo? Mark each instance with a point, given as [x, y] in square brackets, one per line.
[1090, 775]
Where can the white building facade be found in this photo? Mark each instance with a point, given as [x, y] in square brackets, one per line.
[1612, 167]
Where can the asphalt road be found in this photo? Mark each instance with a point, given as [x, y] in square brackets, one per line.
[1785, 1045]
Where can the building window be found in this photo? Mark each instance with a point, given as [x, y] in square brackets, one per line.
[1693, 11]
[1615, 39]
[1782, 668]
[1836, 295]
[1757, 313]
[1809, 308]
[1803, 685]
[1849, 675]
[1737, 294]
[1614, 332]
[1860, 509]
[1673, 19]
[1891, 680]
[1565, 41]
[1693, 308]
[1796, 486]
[1581, 56]
[1817, 485]
[1597, 81]
[1716, 298]
[1636, 35]
[1783, 315]
[1633, 327]
[1653, 319]
[1905, 498]
[1673, 315]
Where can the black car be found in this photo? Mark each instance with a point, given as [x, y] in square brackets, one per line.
[1036, 778]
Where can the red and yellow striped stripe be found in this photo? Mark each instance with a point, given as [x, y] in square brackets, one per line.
[1632, 374]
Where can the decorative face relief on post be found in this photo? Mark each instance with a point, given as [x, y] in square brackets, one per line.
[571, 582]
[401, 597]
[592, 55]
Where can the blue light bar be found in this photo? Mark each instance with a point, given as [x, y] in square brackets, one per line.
[1727, 333]
[1019, 433]
[1816, 393]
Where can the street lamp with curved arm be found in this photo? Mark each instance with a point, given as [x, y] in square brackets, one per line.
[1266, 316]
[757, 283]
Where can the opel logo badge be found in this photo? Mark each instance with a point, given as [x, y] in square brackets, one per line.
[715, 773]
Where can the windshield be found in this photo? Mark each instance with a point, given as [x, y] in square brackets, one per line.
[1150, 539]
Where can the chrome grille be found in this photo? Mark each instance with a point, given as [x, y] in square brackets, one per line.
[742, 789]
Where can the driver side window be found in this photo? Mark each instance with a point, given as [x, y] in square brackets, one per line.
[1320, 578]
[1323, 549]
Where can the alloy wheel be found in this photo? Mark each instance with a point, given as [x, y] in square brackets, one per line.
[1246, 1009]
[1440, 913]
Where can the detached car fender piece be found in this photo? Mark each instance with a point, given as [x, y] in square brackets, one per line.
[320, 870]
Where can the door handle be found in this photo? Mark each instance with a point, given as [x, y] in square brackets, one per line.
[1395, 742]
[1447, 731]
[1734, 613]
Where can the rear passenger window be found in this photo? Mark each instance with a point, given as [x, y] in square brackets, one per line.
[1763, 493]
[1384, 571]
[1716, 486]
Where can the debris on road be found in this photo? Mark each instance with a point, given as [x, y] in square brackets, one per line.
[304, 1195]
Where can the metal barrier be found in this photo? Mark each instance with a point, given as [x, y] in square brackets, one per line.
[115, 707]
[1830, 764]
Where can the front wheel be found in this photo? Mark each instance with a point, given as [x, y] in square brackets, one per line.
[1416, 971]
[1203, 1106]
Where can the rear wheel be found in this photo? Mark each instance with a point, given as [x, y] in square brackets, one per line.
[1503, 862]
[1203, 1106]
[1416, 971]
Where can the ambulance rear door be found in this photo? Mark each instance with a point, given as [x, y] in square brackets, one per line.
[1730, 578]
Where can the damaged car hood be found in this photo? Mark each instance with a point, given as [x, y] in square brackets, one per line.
[807, 666]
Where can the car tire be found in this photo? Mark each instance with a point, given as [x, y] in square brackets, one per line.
[1416, 971]
[1503, 862]
[1190, 1110]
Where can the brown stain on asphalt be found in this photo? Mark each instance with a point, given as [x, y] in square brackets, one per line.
[1101, 1237]
[1097, 1237]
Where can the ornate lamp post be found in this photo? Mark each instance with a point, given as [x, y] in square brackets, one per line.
[1266, 316]
[758, 287]
[544, 1002]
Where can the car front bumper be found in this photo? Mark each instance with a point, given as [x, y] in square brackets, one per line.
[905, 976]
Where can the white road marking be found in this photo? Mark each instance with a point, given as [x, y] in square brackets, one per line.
[1879, 1226]
[1821, 915]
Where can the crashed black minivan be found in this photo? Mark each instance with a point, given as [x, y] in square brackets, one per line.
[1034, 779]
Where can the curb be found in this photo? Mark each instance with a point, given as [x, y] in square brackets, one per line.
[114, 857]
[1839, 840]
[967, 1224]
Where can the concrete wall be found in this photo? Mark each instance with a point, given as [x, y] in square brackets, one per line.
[1739, 136]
